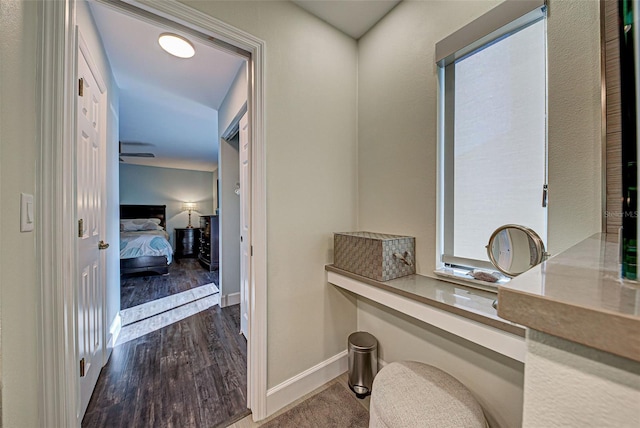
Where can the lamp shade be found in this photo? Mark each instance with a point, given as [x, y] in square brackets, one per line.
[189, 206]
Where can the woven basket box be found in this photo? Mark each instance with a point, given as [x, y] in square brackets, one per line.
[374, 255]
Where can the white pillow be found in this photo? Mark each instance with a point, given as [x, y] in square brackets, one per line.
[137, 224]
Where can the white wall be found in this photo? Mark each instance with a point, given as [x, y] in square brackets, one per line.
[229, 170]
[397, 125]
[20, 293]
[567, 384]
[311, 178]
[148, 185]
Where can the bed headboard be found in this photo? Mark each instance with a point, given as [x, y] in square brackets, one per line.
[144, 211]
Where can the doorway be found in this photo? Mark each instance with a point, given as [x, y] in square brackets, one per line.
[170, 291]
[60, 400]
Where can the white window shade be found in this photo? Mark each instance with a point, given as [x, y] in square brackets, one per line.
[499, 139]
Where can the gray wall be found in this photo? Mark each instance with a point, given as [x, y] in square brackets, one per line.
[20, 291]
[148, 185]
[234, 100]
[312, 173]
[567, 384]
[20, 303]
[397, 74]
[309, 97]
[311, 176]
[229, 218]
[228, 175]
[396, 151]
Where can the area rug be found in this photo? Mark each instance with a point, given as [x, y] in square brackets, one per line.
[164, 304]
[333, 407]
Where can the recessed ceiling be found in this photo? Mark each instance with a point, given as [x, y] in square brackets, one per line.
[168, 105]
[353, 17]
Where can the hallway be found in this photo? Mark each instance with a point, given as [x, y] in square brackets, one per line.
[189, 374]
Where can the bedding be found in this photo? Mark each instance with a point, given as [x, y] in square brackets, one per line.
[137, 224]
[145, 243]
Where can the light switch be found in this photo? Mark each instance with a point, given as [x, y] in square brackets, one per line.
[27, 212]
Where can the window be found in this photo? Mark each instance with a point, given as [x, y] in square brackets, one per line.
[493, 136]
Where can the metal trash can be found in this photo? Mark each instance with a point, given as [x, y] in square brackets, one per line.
[363, 362]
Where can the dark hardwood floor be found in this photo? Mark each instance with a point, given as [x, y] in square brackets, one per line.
[189, 374]
[184, 274]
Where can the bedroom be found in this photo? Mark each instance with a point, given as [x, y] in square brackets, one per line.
[171, 175]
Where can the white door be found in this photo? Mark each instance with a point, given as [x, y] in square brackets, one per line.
[90, 179]
[245, 225]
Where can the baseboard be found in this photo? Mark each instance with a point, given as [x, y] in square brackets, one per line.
[229, 300]
[290, 390]
[114, 332]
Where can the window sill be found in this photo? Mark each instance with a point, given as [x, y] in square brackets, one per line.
[459, 310]
[457, 277]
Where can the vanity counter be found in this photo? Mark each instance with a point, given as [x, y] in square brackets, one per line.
[578, 295]
[460, 310]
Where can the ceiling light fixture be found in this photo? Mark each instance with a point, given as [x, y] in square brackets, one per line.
[176, 45]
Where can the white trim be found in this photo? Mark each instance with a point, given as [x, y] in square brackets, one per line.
[230, 299]
[492, 338]
[56, 196]
[303, 383]
[440, 179]
[55, 208]
[114, 332]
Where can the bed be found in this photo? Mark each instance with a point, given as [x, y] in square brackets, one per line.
[144, 250]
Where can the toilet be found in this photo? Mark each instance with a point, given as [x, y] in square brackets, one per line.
[411, 394]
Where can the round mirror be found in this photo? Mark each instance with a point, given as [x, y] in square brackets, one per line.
[515, 249]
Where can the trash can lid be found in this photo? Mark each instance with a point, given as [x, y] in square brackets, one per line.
[361, 340]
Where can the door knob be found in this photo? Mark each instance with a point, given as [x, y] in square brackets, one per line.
[102, 245]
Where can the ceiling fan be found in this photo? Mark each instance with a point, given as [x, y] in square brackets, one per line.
[134, 154]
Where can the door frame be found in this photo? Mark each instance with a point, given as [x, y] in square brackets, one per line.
[55, 238]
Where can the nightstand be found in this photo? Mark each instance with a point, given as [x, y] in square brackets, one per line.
[187, 243]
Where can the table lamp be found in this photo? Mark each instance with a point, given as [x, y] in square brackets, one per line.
[189, 206]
